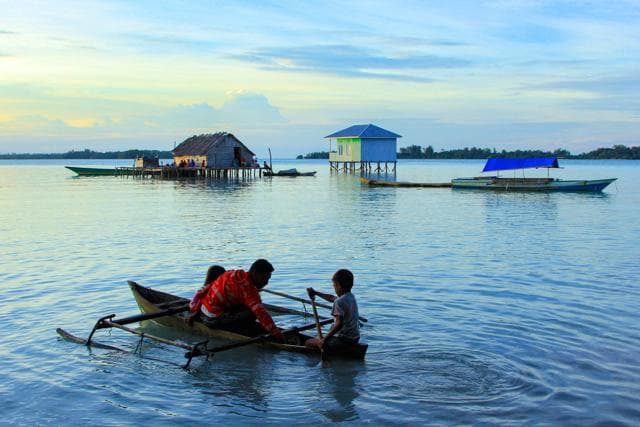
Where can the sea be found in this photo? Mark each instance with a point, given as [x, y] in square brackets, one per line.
[484, 308]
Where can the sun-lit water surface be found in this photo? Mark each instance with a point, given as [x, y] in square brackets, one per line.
[483, 308]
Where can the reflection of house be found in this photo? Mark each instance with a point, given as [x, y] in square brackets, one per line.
[147, 162]
[363, 145]
[218, 150]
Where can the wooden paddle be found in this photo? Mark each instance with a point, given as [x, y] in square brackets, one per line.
[312, 297]
[315, 313]
[269, 291]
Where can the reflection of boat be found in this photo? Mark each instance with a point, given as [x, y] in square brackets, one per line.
[91, 171]
[289, 172]
[381, 183]
[527, 184]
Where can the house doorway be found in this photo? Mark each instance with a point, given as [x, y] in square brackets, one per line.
[236, 156]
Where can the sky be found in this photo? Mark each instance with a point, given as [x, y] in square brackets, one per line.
[117, 75]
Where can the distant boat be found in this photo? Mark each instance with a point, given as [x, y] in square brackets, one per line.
[289, 172]
[527, 184]
[92, 171]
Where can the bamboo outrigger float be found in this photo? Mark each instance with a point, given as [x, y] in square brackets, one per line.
[172, 311]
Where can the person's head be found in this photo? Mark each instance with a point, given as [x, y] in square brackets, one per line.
[213, 273]
[260, 272]
[342, 281]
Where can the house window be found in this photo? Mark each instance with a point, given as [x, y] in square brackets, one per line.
[339, 149]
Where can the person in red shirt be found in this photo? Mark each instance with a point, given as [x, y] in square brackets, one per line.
[239, 288]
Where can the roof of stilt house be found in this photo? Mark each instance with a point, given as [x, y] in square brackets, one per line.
[200, 145]
[364, 131]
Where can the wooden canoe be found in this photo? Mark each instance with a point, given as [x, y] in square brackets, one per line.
[150, 301]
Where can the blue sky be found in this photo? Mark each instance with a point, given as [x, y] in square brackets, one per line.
[111, 75]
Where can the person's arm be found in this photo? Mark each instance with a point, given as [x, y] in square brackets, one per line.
[326, 297]
[254, 303]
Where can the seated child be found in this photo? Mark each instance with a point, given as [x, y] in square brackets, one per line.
[345, 330]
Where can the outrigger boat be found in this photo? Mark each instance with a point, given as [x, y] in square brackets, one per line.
[527, 184]
[82, 171]
[172, 311]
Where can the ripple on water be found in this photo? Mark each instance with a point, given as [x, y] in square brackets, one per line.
[454, 376]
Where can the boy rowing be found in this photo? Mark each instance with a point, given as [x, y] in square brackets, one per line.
[345, 330]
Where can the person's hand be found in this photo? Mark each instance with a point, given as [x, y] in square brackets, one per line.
[322, 343]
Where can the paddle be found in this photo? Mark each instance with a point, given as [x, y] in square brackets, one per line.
[362, 319]
[211, 351]
[315, 315]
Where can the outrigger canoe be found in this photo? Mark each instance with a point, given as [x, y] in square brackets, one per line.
[172, 312]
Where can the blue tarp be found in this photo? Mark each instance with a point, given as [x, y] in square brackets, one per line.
[499, 164]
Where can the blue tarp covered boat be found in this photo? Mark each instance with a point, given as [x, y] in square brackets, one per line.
[527, 184]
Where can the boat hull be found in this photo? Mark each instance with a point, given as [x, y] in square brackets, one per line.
[285, 173]
[92, 171]
[530, 184]
[149, 301]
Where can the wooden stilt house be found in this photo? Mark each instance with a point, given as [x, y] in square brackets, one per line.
[218, 150]
[363, 147]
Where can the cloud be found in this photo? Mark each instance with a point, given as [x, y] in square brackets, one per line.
[242, 110]
[349, 61]
[610, 94]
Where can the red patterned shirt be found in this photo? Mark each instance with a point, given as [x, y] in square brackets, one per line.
[232, 288]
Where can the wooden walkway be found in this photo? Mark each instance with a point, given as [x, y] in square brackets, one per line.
[170, 172]
[381, 183]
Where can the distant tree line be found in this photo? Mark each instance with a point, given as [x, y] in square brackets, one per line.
[417, 152]
[315, 155]
[89, 154]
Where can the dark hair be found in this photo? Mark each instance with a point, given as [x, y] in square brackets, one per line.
[345, 278]
[261, 266]
[213, 273]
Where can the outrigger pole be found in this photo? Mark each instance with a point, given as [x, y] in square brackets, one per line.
[198, 349]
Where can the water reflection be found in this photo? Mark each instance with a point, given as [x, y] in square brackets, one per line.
[340, 380]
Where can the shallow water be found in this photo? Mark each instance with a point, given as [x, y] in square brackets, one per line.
[484, 308]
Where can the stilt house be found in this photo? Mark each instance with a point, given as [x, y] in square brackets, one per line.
[147, 162]
[363, 145]
[218, 150]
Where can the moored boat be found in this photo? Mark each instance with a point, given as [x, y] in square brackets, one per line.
[83, 171]
[527, 184]
[289, 172]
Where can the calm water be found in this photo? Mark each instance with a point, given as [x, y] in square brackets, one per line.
[484, 308]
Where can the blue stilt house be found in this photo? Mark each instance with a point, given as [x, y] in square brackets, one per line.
[368, 148]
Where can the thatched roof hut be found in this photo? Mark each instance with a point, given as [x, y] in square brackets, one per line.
[219, 150]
